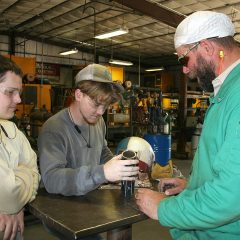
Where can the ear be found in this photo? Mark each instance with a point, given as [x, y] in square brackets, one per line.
[207, 46]
[78, 95]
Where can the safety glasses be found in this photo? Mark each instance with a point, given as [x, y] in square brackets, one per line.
[183, 60]
[10, 92]
[96, 105]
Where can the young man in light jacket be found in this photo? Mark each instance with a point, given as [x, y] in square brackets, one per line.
[18, 162]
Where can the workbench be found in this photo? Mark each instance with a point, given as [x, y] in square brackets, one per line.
[102, 210]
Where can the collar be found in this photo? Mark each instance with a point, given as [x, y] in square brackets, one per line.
[218, 81]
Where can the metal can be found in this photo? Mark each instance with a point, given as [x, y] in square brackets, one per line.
[127, 187]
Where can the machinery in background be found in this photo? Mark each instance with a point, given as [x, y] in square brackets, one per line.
[34, 110]
[142, 110]
[195, 117]
[148, 119]
[34, 95]
[30, 124]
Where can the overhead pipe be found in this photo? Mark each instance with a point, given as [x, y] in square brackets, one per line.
[154, 10]
[94, 30]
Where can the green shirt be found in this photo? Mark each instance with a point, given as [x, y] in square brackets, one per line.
[209, 208]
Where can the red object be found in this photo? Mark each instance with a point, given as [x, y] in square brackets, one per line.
[143, 167]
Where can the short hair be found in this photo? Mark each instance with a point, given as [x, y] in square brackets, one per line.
[227, 42]
[7, 65]
[101, 92]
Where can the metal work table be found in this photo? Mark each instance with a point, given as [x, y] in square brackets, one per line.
[99, 211]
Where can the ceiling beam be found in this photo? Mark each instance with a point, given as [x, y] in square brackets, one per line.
[154, 10]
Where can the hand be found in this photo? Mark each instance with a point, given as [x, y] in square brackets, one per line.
[20, 218]
[117, 169]
[148, 201]
[10, 224]
[179, 185]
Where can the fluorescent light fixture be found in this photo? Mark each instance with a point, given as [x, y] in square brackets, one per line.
[120, 62]
[154, 69]
[120, 31]
[72, 51]
[84, 43]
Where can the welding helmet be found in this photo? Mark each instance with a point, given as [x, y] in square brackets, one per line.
[142, 149]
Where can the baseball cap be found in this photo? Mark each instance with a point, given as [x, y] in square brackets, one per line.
[97, 73]
[202, 25]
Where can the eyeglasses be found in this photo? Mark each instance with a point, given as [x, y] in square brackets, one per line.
[10, 92]
[184, 58]
[96, 105]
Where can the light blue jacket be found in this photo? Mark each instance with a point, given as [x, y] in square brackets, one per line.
[209, 208]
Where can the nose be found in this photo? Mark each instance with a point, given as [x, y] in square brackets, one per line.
[17, 98]
[100, 110]
[185, 70]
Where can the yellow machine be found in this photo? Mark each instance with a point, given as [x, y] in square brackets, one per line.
[34, 95]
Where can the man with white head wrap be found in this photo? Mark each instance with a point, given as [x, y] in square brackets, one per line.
[207, 205]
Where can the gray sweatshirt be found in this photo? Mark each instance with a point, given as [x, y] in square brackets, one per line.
[67, 165]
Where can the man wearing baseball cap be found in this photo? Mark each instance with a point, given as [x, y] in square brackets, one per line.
[206, 206]
[74, 156]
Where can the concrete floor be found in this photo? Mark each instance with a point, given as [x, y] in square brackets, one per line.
[148, 229]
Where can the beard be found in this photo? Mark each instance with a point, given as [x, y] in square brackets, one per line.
[205, 73]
